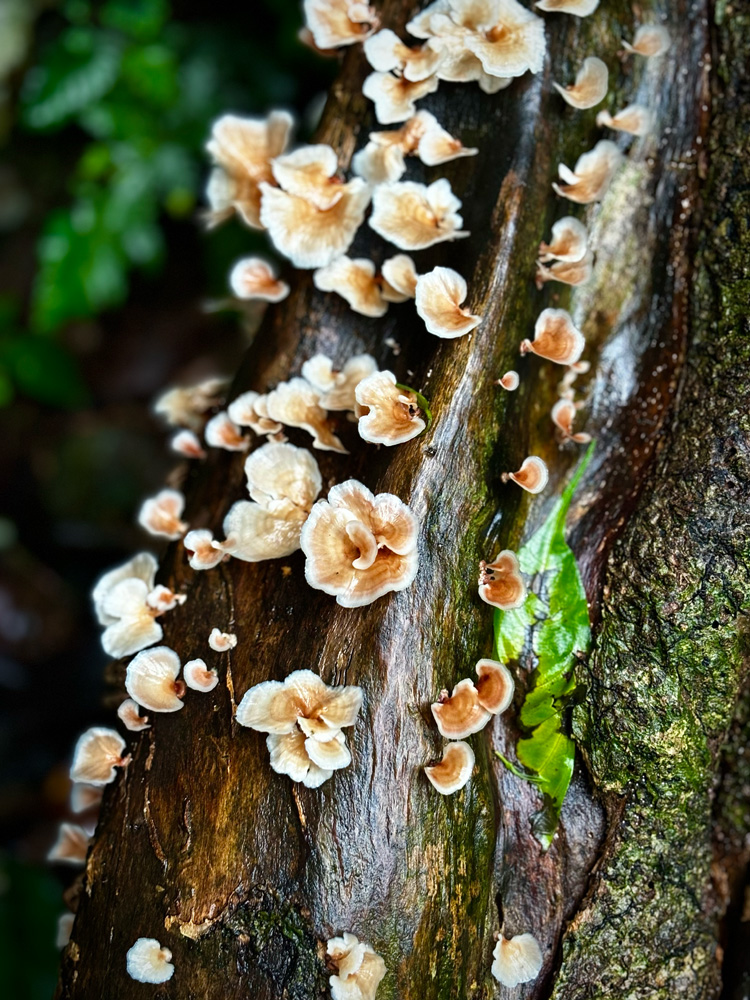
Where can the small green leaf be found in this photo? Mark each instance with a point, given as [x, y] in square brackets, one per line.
[142, 19]
[423, 404]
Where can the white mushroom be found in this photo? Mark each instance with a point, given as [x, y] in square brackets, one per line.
[385, 52]
[185, 406]
[590, 88]
[187, 443]
[297, 404]
[71, 846]
[255, 278]
[569, 241]
[401, 275]
[151, 680]
[310, 172]
[356, 282]
[395, 97]
[222, 432]
[97, 754]
[198, 677]
[438, 146]
[337, 388]
[454, 770]
[650, 40]
[439, 295]
[556, 338]
[592, 176]
[378, 164]
[635, 119]
[64, 929]
[563, 416]
[148, 962]
[250, 410]
[203, 551]
[577, 273]
[388, 414]
[415, 216]
[517, 960]
[222, 642]
[131, 718]
[333, 23]
[359, 968]
[581, 8]
[160, 515]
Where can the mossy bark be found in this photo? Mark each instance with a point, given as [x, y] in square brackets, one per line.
[243, 875]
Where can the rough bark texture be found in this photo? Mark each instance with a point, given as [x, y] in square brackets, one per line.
[241, 874]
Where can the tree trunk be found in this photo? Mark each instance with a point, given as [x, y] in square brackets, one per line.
[242, 874]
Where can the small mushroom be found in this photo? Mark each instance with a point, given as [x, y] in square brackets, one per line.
[255, 278]
[415, 216]
[84, 797]
[160, 515]
[592, 176]
[250, 409]
[151, 680]
[590, 88]
[634, 119]
[500, 582]
[297, 404]
[401, 274]
[395, 97]
[359, 968]
[438, 297]
[385, 52]
[198, 677]
[187, 443]
[460, 714]
[556, 338]
[454, 770]
[185, 406]
[438, 146]
[517, 960]
[337, 388]
[222, 432]
[378, 164]
[581, 8]
[563, 416]
[97, 754]
[121, 604]
[131, 718]
[388, 414]
[310, 172]
[203, 552]
[71, 846]
[148, 962]
[356, 282]
[510, 381]
[532, 476]
[569, 242]
[577, 273]
[495, 686]
[64, 929]
[221, 642]
[334, 23]
[650, 40]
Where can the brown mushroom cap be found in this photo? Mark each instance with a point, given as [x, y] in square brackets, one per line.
[461, 714]
[454, 770]
[556, 338]
[501, 583]
[495, 686]
[532, 476]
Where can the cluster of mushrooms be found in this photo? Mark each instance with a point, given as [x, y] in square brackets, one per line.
[357, 546]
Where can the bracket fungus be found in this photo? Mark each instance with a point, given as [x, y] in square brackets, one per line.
[310, 172]
[334, 23]
[203, 552]
[635, 119]
[556, 338]
[388, 413]
[650, 40]
[400, 273]
[569, 241]
[581, 8]
[385, 52]
[517, 960]
[356, 282]
[160, 515]
[255, 278]
[250, 409]
[222, 642]
[358, 546]
[563, 416]
[436, 145]
[84, 797]
[359, 968]
[187, 443]
[131, 718]
[198, 677]
[186, 406]
[379, 164]
[123, 603]
[568, 273]
[495, 686]
[71, 846]
[415, 216]
[148, 962]
[460, 714]
[395, 97]
[454, 770]
[337, 387]
[222, 432]
[438, 297]
[97, 755]
[590, 87]
[533, 475]
[303, 718]
[510, 381]
[296, 403]
[151, 680]
[592, 176]
[500, 582]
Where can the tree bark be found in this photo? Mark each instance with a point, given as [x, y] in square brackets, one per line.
[243, 875]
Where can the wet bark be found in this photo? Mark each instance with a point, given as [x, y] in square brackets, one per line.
[241, 874]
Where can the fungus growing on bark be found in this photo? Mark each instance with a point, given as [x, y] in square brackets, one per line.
[379, 164]
[360, 546]
[385, 52]
[359, 968]
[151, 680]
[187, 444]
[303, 717]
[387, 413]
[250, 409]
[460, 714]
[575, 273]
[517, 960]
[439, 295]
[148, 962]
[198, 677]
[97, 754]
[222, 642]
[84, 797]
[454, 770]
[401, 274]
[563, 416]
[185, 406]
[556, 338]
[242, 150]
[297, 404]
[333, 23]
[438, 146]
[415, 216]
[510, 381]
[495, 686]
[162, 599]
[160, 515]
[121, 604]
[131, 718]
[533, 475]
[590, 87]
[71, 846]
[569, 241]
[650, 40]
[395, 97]
[64, 929]
[635, 119]
[203, 552]
[593, 174]
[337, 388]
[356, 282]
[581, 8]
[255, 278]
[310, 172]
[501, 583]
[222, 432]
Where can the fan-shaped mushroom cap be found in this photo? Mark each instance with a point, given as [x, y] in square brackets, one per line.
[97, 753]
[387, 414]
[533, 475]
[359, 546]
[198, 677]
[386, 52]
[439, 295]
[71, 846]
[360, 969]
[302, 698]
[254, 534]
[581, 8]
[438, 146]
[142, 566]
[556, 338]
[148, 962]
[131, 718]
[250, 410]
[510, 381]
[395, 97]
[84, 797]
[280, 474]
[415, 216]
[151, 680]
[406, 138]
[634, 119]
[592, 81]
[401, 274]
[569, 241]
[222, 432]
[501, 583]
[242, 149]
[454, 770]
[310, 172]
[309, 236]
[288, 755]
[162, 599]
[577, 273]
[650, 40]
[355, 281]
[495, 686]
[517, 960]
[337, 388]
[339, 22]
[461, 714]
[184, 406]
[203, 552]
[160, 515]
[563, 415]
[133, 626]
[255, 278]
[592, 175]
[221, 642]
[379, 164]
[187, 443]
[297, 404]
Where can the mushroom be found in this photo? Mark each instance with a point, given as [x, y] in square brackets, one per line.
[221, 642]
[592, 81]
[151, 680]
[556, 338]
[360, 969]
[592, 175]
[187, 444]
[438, 146]
[400, 274]
[250, 409]
[395, 97]
[121, 603]
[131, 718]
[581, 8]
[569, 242]
[454, 770]
[71, 846]
[303, 717]
[84, 797]
[385, 52]
[359, 546]
[336, 387]
[650, 40]
[415, 216]
[160, 515]
[203, 551]
[500, 582]
[406, 138]
[355, 281]
[460, 714]
[577, 273]
[148, 962]
[439, 295]
[634, 119]
[97, 754]
[495, 686]
[310, 172]
[379, 164]
[162, 599]
[517, 960]
[242, 149]
[333, 23]
[255, 278]
[563, 415]
[198, 677]
[510, 381]
[222, 432]
[532, 476]
[64, 929]
[185, 406]
[297, 404]
[387, 413]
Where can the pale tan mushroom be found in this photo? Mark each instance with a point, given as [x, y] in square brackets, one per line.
[250, 409]
[510, 381]
[222, 642]
[187, 444]
[590, 88]
[460, 714]
[359, 969]
[495, 686]
[379, 164]
[454, 770]
[517, 960]
[438, 298]
[131, 718]
[401, 276]
[501, 583]
[581, 8]
[563, 416]
[222, 432]
[438, 146]
[198, 677]
[97, 754]
[148, 962]
[151, 680]
[337, 388]
[203, 552]
[85, 797]
[650, 40]
[592, 176]
[635, 119]
[356, 282]
[415, 216]
[333, 23]
[297, 404]
[160, 515]
[130, 619]
[142, 567]
[310, 172]
[255, 278]
[388, 414]
[385, 52]
[459, 65]
[395, 97]
[407, 137]
[556, 338]
[569, 241]
[185, 406]
[71, 846]
[577, 273]
[359, 546]
[533, 475]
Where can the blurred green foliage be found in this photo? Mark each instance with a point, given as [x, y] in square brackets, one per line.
[29, 907]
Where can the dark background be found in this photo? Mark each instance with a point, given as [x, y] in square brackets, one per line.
[110, 290]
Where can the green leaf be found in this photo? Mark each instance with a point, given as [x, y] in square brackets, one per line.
[141, 19]
[422, 403]
[43, 371]
[30, 903]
